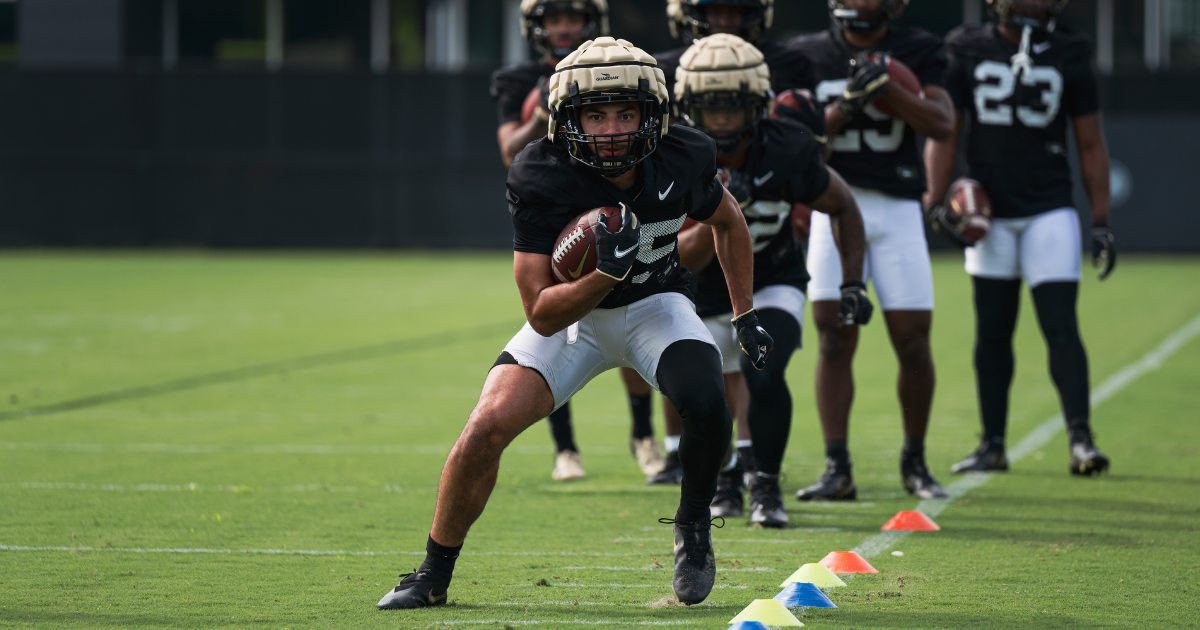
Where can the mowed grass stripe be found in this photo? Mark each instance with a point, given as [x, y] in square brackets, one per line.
[1038, 438]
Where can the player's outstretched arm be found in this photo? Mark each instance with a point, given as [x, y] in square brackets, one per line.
[696, 247]
[513, 136]
[551, 307]
[1094, 169]
[932, 116]
[940, 156]
[734, 251]
[838, 202]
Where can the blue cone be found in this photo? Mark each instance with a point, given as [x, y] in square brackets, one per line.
[804, 594]
[749, 625]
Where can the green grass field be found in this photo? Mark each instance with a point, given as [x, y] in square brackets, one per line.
[207, 440]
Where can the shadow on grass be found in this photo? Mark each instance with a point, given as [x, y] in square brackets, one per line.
[950, 620]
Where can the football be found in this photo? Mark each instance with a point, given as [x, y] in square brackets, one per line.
[901, 76]
[574, 253]
[531, 104]
[967, 199]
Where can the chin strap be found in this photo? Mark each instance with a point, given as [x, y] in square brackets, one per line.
[1022, 62]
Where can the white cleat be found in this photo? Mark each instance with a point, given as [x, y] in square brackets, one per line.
[567, 466]
[649, 455]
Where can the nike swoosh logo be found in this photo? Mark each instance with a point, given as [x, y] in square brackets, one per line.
[621, 254]
[578, 270]
[1041, 48]
[758, 181]
[663, 195]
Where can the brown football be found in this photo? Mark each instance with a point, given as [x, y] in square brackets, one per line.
[967, 199]
[531, 104]
[574, 254]
[902, 76]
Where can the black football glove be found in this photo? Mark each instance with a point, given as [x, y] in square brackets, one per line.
[738, 185]
[543, 108]
[753, 339]
[1104, 250]
[856, 306]
[616, 252]
[868, 81]
[946, 224]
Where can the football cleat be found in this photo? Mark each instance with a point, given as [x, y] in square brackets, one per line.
[918, 480]
[728, 500]
[672, 472]
[567, 466]
[695, 563]
[419, 589]
[766, 502]
[649, 455]
[1086, 459]
[837, 484]
[988, 457]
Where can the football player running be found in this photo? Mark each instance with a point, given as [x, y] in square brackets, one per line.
[879, 157]
[608, 147]
[1021, 81]
[555, 28]
[690, 20]
[723, 89]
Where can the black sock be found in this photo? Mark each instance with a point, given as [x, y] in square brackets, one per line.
[561, 430]
[689, 373]
[770, 416]
[836, 451]
[914, 446]
[439, 559]
[997, 303]
[1055, 302]
[640, 408]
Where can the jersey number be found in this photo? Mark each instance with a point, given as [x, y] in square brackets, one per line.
[989, 96]
[853, 139]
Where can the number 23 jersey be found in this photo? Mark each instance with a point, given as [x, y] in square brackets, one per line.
[874, 150]
[1017, 143]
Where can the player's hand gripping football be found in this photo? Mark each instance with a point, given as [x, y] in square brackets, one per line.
[867, 82]
[946, 224]
[1104, 250]
[753, 339]
[616, 251]
[856, 306]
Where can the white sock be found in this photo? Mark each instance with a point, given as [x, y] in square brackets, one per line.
[742, 444]
[672, 442]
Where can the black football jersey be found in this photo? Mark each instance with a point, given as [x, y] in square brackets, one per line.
[784, 166]
[789, 67]
[1017, 141]
[547, 189]
[874, 150]
[511, 85]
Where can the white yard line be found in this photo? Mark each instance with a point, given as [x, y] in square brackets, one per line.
[1044, 432]
[191, 487]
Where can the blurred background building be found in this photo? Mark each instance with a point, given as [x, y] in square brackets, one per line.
[367, 123]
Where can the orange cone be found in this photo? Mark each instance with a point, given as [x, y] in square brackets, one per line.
[910, 521]
[847, 562]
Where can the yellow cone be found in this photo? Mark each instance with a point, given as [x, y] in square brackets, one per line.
[769, 612]
[816, 574]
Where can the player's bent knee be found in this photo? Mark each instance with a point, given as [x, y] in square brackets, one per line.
[689, 374]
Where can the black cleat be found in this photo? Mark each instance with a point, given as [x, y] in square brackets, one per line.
[695, 563]
[748, 465]
[766, 502]
[1086, 459]
[672, 472]
[837, 484]
[416, 590]
[989, 457]
[728, 500]
[917, 479]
